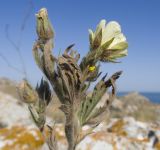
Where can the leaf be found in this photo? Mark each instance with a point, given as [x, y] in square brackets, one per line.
[106, 45]
[51, 138]
[97, 40]
[120, 46]
[114, 77]
[68, 48]
[44, 91]
[99, 114]
[90, 103]
[100, 26]
[111, 55]
[38, 115]
[48, 59]
[37, 56]
[91, 37]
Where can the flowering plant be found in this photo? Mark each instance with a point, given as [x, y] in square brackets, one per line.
[70, 79]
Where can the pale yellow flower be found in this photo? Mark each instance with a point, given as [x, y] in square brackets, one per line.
[109, 37]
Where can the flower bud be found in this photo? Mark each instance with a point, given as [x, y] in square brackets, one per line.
[27, 93]
[44, 27]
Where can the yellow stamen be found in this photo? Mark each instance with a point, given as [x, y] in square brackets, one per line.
[92, 68]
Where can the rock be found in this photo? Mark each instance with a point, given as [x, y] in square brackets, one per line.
[20, 138]
[13, 112]
[134, 125]
[117, 104]
[8, 86]
[136, 106]
[120, 134]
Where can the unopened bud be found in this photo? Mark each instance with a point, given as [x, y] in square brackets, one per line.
[44, 27]
[27, 93]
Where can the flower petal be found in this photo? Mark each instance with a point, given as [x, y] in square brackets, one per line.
[124, 53]
[100, 26]
[120, 38]
[120, 46]
[111, 30]
[119, 55]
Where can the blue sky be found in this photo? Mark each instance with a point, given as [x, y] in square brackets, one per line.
[71, 19]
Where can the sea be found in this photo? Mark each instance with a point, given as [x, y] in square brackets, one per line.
[152, 96]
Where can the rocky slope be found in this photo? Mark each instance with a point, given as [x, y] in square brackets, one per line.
[134, 125]
[136, 106]
[119, 134]
[9, 87]
[12, 111]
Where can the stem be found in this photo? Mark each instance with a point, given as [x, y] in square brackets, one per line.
[69, 131]
[72, 128]
[50, 139]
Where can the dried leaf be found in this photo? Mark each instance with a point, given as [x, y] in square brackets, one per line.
[44, 91]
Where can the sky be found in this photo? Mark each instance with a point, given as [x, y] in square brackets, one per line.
[71, 19]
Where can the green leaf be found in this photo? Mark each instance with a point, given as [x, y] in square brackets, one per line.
[37, 56]
[106, 45]
[91, 36]
[120, 46]
[89, 104]
[97, 40]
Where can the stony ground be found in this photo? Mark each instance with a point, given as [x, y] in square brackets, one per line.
[129, 128]
[119, 134]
